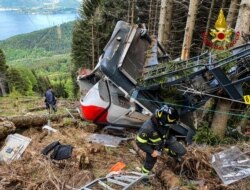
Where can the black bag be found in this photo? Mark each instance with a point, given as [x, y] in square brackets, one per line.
[50, 147]
[60, 152]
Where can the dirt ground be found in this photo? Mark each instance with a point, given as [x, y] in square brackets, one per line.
[90, 161]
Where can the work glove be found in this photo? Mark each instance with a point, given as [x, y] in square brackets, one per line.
[156, 153]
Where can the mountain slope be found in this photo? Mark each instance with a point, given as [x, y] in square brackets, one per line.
[46, 51]
[46, 42]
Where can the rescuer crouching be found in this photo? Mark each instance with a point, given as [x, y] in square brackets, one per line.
[153, 137]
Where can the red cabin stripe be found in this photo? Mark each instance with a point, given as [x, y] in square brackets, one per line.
[90, 113]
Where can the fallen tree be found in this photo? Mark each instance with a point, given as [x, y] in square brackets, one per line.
[37, 120]
[33, 120]
[9, 125]
[36, 109]
[6, 127]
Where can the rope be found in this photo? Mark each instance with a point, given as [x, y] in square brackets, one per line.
[202, 109]
[214, 96]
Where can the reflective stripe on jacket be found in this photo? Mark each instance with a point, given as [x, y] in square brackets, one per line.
[148, 139]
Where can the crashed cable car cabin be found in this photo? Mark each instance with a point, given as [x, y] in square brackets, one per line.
[128, 82]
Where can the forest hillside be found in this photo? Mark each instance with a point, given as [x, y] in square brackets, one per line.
[159, 88]
[45, 52]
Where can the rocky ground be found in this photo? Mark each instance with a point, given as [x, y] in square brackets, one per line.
[90, 160]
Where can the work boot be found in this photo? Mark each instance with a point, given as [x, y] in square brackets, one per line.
[171, 153]
[144, 171]
[145, 182]
[138, 169]
[177, 159]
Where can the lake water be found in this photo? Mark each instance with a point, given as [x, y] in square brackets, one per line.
[13, 23]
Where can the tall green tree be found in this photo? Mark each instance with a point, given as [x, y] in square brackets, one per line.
[60, 90]
[243, 25]
[3, 70]
[3, 66]
[92, 31]
[42, 84]
[16, 81]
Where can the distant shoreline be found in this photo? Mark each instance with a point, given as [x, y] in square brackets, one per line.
[8, 9]
[10, 22]
[41, 10]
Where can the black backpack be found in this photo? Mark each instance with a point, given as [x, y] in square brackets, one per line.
[60, 152]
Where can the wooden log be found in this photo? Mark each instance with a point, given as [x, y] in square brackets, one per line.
[36, 109]
[36, 120]
[6, 127]
[169, 179]
[140, 152]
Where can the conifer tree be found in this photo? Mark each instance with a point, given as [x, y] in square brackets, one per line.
[3, 66]
[16, 81]
[92, 31]
[3, 70]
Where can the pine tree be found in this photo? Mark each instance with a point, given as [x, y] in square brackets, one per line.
[3, 70]
[3, 66]
[92, 31]
[165, 21]
[243, 25]
[16, 81]
[189, 29]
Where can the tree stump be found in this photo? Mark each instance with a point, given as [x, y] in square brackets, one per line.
[6, 127]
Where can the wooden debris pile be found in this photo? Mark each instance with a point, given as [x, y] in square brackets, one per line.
[90, 161]
[195, 171]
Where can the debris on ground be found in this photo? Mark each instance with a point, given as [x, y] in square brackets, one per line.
[117, 180]
[14, 147]
[58, 151]
[231, 165]
[106, 140]
[90, 161]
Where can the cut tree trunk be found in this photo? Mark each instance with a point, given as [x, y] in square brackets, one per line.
[150, 16]
[133, 12]
[165, 22]
[232, 13]
[189, 29]
[36, 120]
[245, 120]
[243, 24]
[219, 123]
[6, 127]
[36, 109]
[9, 125]
[208, 21]
[169, 179]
